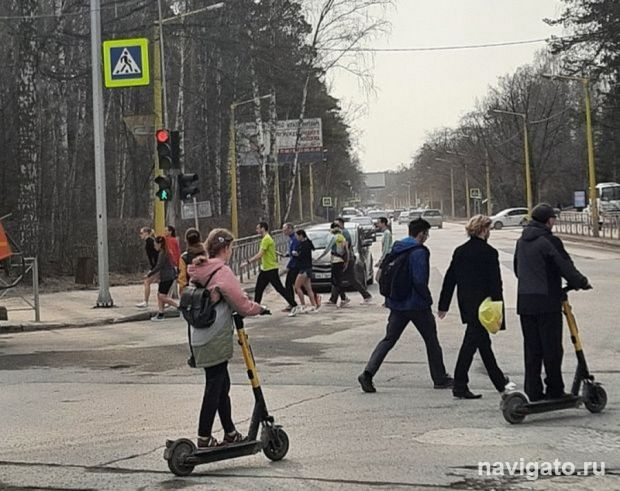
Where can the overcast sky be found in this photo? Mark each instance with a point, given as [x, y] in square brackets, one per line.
[420, 91]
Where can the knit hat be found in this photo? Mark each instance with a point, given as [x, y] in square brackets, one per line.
[543, 212]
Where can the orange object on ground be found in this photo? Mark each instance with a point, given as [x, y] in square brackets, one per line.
[5, 248]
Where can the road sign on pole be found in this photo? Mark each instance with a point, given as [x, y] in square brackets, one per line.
[126, 62]
[475, 193]
[188, 211]
[327, 202]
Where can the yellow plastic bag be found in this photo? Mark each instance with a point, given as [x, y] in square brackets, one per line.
[490, 314]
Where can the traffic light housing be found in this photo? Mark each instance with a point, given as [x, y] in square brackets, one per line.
[175, 146]
[188, 186]
[164, 193]
[164, 149]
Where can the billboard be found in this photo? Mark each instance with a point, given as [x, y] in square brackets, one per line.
[374, 180]
[310, 143]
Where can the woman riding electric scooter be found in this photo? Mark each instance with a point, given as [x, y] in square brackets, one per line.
[213, 347]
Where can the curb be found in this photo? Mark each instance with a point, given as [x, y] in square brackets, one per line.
[86, 322]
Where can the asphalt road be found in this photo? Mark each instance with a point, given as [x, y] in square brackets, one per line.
[91, 408]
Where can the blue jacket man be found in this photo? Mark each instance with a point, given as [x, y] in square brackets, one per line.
[412, 306]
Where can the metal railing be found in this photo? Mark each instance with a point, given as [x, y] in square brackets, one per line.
[575, 223]
[246, 247]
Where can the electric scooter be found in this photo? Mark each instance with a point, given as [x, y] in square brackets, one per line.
[516, 405]
[183, 455]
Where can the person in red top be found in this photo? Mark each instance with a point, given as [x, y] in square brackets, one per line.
[172, 245]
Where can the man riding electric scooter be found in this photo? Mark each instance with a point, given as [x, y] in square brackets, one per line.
[540, 263]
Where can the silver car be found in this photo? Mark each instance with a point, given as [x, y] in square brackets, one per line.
[510, 217]
[431, 215]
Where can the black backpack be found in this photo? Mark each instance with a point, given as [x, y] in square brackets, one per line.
[196, 305]
[395, 279]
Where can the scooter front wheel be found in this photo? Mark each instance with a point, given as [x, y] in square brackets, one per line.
[276, 444]
[177, 457]
[594, 397]
[512, 408]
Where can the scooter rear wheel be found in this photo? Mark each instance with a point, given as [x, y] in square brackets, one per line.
[512, 408]
[276, 444]
[178, 456]
[595, 397]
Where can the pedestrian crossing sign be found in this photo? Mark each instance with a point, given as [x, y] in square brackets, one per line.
[126, 62]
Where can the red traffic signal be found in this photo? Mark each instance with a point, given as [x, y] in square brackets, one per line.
[162, 136]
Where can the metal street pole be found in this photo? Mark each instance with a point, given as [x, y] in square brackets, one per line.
[528, 175]
[488, 176]
[452, 189]
[162, 58]
[232, 153]
[585, 81]
[591, 166]
[467, 199]
[104, 299]
[311, 194]
[299, 195]
[526, 146]
[232, 161]
[159, 209]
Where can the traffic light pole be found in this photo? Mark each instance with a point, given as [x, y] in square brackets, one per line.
[159, 211]
[104, 299]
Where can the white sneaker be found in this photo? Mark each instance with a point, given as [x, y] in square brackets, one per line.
[510, 386]
[158, 318]
[345, 302]
[366, 301]
[313, 310]
[142, 305]
[294, 311]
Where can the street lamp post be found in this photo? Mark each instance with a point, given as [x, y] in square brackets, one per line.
[232, 158]
[585, 81]
[438, 159]
[526, 149]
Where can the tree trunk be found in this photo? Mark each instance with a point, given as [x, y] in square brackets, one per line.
[28, 129]
[260, 138]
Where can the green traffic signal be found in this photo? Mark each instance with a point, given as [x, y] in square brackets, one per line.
[164, 192]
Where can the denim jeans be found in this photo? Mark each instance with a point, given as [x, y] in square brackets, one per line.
[424, 321]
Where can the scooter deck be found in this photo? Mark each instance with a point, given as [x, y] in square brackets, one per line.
[551, 405]
[231, 451]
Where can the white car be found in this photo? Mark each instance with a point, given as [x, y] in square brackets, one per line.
[510, 217]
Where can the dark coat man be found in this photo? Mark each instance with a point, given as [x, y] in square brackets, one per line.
[540, 263]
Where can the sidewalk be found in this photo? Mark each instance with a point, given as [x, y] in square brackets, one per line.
[75, 308]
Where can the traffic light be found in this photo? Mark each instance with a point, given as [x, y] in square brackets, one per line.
[188, 186]
[164, 149]
[164, 193]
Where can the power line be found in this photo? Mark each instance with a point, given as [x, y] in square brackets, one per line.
[437, 48]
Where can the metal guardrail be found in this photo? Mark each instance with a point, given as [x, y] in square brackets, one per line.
[576, 223]
[246, 247]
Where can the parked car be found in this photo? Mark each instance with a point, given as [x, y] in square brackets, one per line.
[404, 217]
[510, 217]
[369, 230]
[321, 271]
[350, 211]
[431, 215]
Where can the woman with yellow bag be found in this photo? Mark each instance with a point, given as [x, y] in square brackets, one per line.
[475, 271]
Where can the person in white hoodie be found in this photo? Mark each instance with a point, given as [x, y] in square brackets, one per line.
[213, 347]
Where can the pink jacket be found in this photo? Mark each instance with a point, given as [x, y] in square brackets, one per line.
[224, 282]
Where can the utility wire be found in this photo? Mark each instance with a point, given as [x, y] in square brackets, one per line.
[438, 48]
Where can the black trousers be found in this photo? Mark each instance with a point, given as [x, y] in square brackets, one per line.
[216, 400]
[349, 275]
[424, 321]
[271, 277]
[337, 278]
[477, 338]
[289, 283]
[542, 344]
